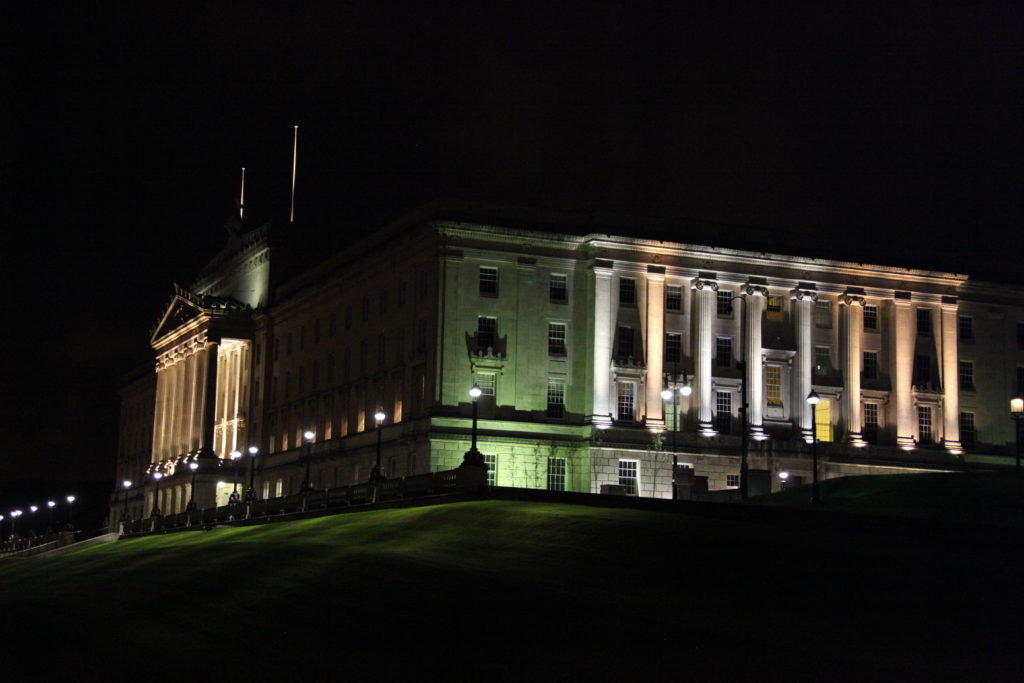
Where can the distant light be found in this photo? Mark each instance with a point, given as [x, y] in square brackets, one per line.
[686, 389]
[783, 476]
[193, 466]
[127, 484]
[157, 475]
[309, 436]
[50, 503]
[1017, 405]
[15, 513]
[253, 450]
[666, 394]
[235, 455]
[221, 484]
[475, 391]
[1, 518]
[71, 499]
[379, 416]
[813, 398]
[33, 508]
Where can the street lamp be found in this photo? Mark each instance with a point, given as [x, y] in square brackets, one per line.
[32, 509]
[812, 400]
[250, 493]
[14, 518]
[71, 509]
[155, 512]
[124, 513]
[377, 473]
[473, 457]
[51, 504]
[191, 506]
[784, 478]
[307, 485]
[1017, 409]
[234, 498]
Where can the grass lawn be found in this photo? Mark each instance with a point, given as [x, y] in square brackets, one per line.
[500, 590]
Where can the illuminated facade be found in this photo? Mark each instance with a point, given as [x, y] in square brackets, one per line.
[572, 339]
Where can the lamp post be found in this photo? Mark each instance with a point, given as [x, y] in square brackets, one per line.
[1017, 410]
[812, 399]
[71, 510]
[14, 518]
[124, 512]
[191, 506]
[377, 473]
[250, 493]
[473, 457]
[741, 365]
[51, 504]
[307, 485]
[155, 512]
[234, 498]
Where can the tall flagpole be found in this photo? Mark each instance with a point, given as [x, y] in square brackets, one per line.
[241, 199]
[295, 158]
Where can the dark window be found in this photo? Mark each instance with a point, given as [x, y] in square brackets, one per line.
[488, 281]
[1020, 381]
[823, 314]
[346, 366]
[332, 324]
[968, 436]
[1020, 335]
[871, 422]
[330, 369]
[302, 380]
[486, 332]
[965, 374]
[674, 298]
[922, 369]
[627, 291]
[287, 384]
[924, 321]
[401, 293]
[724, 299]
[556, 399]
[316, 331]
[383, 302]
[822, 361]
[288, 345]
[871, 317]
[723, 352]
[870, 365]
[625, 335]
[556, 339]
[381, 348]
[723, 412]
[558, 290]
[924, 424]
[315, 379]
[965, 327]
[366, 309]
[673, 347]
[348, 317]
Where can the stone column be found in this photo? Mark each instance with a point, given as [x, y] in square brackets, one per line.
[753, 310]
[173, 411]
[210, 397]
[950, 376]
[158, 412]
[901, 356]
[704, 311]
[804, 297]
[604, 320]
[655, 346]
[851, 324]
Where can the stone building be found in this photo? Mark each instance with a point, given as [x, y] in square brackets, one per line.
[572, 333]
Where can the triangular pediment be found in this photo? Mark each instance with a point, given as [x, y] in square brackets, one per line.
[183, 308]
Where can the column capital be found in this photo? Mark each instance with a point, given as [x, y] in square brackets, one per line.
[655, 273]
[755, 290]
[852, 299]
[949, 303]
[802, 293]
[602, 267]
[704, 283]
[901, 298]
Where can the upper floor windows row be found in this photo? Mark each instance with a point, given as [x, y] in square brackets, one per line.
[558, 285]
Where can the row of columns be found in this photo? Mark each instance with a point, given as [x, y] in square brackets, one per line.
[754, 295]
[183, 416]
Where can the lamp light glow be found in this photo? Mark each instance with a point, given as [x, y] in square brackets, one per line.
[192, 466]
[783, 476]
[71, 499]
[309, 435]
[33, 508]
[50, 503]
[475, 391]
[813, 398]
[253, 450]
[666, 394]
[159, 475]
[686, 389]
[235, 455]
[127, 484]
[1016, 405]
[379, 416]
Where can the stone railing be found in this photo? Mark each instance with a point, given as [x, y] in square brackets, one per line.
[33, 545]
[463, 480]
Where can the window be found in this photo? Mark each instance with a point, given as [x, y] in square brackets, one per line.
[822, 361]
[266, 489]
[486, 382]
[556, 339]
[922, 369]
[673, 347]
[624, 401]
[724, 302]
[732, 481]
[627, 291]
[279, 488]
[965, 328]
[491, 460]
[924, 321]
[773, 384]
[871, 318]
[673, 298]
[968, 437]
[924, 424]
[488, 281]
[486, 332]
[774, 307]
[871, 365]
[628, 476]
[556, 474]
[556, 399]
[558, 290]
[625, 335]
[965, 374]
[723, 352]
[723, 411]
[823, 420]
[871, 422]
[287, 384]
[823, 314]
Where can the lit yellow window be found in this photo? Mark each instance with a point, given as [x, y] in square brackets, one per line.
[774, 307]
[823, 420]
[773, 384]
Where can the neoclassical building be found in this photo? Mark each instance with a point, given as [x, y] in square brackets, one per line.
[573, 334]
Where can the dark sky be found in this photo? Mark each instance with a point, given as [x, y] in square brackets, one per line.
[894, 127]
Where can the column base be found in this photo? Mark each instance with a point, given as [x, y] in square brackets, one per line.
[706, 429]
[757, 433]
[954, 447]
[807, 435]
[906, 443]
[655, 424]
[601, 421]
[856, 439]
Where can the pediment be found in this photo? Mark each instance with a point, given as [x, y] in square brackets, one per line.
[179, 312]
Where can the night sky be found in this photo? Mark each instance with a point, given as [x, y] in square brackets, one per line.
[893, 130]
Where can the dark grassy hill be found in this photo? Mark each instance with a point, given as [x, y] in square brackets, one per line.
[499, 590]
